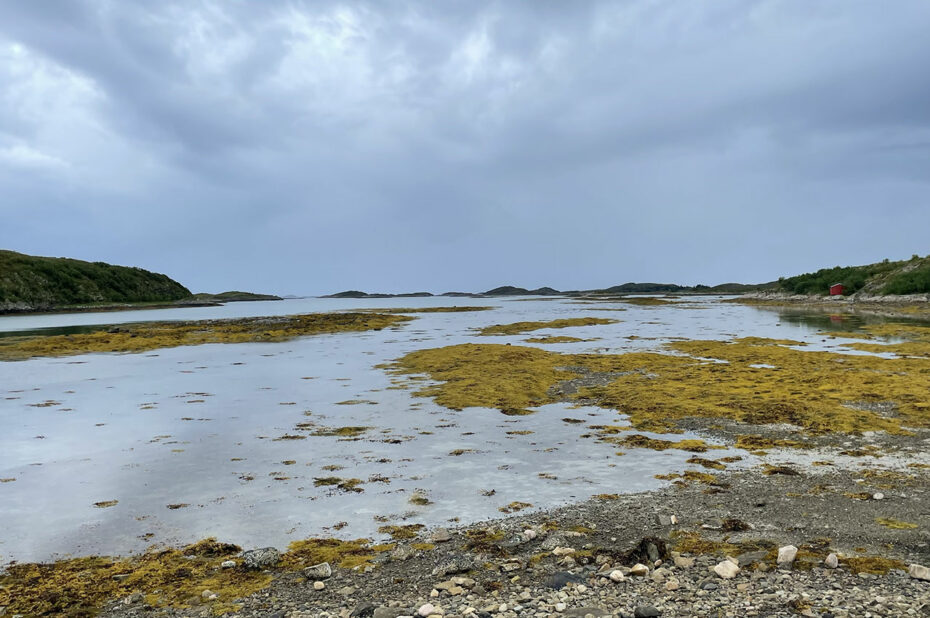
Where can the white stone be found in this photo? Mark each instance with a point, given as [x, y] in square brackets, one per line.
[878, 496]
[529, 534]
[502, 608]
[683, 563]
[433, 593]
[562, 551]
[426, 609]
[786, 554]
[560, 607]
[206, 594]
[726, 569]
[319, 585]
[831, 561]
[639, 569]
[581, 588]
[671, 585]
[616, 576]
[919, 572]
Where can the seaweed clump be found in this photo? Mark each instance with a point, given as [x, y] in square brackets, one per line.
[517, 328]
[154, 335]
[750, 381]
[167, 578]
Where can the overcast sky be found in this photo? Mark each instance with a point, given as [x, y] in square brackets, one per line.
[311, 147]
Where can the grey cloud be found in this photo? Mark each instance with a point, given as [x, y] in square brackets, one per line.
[312, 146]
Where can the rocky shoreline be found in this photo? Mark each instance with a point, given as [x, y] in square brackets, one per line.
[802, 541]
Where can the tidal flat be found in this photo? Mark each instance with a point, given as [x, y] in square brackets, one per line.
[419, 416]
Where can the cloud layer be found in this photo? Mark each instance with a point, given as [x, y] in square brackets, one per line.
[308, 147]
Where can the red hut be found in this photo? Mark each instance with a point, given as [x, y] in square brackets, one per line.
[837, 289]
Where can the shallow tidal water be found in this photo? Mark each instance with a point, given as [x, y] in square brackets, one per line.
[193, 442]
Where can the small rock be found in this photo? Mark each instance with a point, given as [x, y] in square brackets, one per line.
[664, 520]
[640, 570]
[257, 559]
[562, 551]
[683, 563]
[672, 585]
[726, 569]
[560, 579]
[751, 557]
[433, 593]
[121, 577]
[560, 607]
[346, 591]
[426, 610]
[653, 552]
[208, 595]
[617, 576]
[919, 572]
[529, 534]
[581, 588]
[402, 552]
[787, 554]
[708, 585]
[318, 571]
[456, 564]
[502, 608]
[831, 561]
[363, 610]
[319, 585]
[878, 496]
[392, 612]
[440, 535]
[646, 611]
[228, 564]
[742, 587]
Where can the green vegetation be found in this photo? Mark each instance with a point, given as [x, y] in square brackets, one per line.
[887, 277]
[914, 281]
[29, 283]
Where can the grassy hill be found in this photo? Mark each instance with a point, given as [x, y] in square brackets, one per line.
[903, 277]
[31, 283]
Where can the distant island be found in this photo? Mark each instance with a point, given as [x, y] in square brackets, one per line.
[31, 283]
[626, 288]
[884, 278]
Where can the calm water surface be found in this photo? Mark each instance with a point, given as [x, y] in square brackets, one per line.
[201, 427]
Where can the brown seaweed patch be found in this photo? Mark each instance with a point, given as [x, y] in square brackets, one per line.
[707, 463]
[895, 524]
[517, 328]
[345, 554]
[167, 578]
[349, 431]
[399, 533]
[809, 390]
[148, 336]
[429, 309]
[419, 499]
[558, 339]
[347, 485]
[872, 564]
[105, 504]
[647, 301]
[514, 507]
[641, 441]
